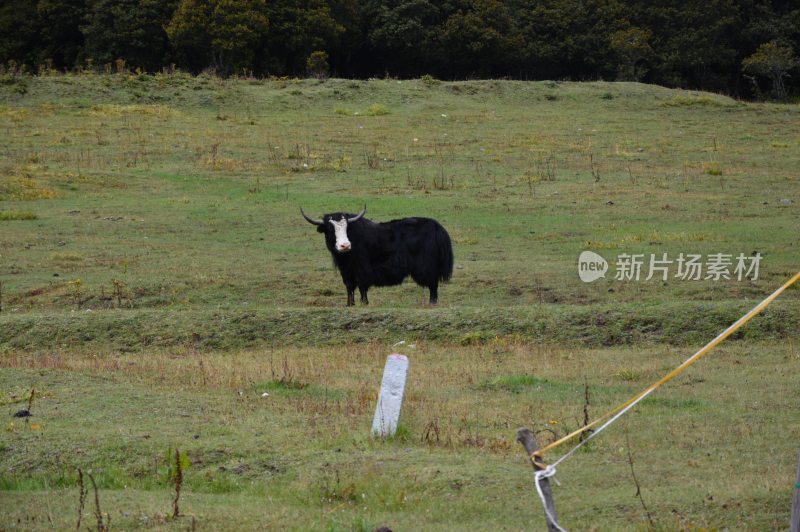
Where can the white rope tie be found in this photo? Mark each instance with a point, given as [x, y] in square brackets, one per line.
[538, 475]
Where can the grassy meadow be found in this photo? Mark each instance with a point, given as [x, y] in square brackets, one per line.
[156, 280]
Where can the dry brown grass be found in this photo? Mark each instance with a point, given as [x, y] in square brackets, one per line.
[447, 403]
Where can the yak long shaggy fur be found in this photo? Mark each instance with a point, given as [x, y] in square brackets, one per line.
[384, 254]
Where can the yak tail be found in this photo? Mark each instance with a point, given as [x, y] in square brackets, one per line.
[445, 250]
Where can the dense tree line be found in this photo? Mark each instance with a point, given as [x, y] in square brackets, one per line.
[744, 47]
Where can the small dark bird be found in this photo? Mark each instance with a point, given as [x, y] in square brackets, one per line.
[23, 413]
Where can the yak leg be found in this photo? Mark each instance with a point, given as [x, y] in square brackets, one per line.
[351, 294]
[434, 290]
[363, 291]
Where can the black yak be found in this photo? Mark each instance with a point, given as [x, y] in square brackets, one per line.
[383, 254]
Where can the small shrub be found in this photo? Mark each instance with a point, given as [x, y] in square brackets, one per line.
[627, 375]
[474, 338]
[429, 81]
[376, 109]
[317, 64]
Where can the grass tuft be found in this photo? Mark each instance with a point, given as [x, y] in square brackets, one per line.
[6, 216]
[627, 375]
[18, 188]
[376, 109]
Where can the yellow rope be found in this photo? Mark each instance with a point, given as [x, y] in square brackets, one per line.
[708, 347]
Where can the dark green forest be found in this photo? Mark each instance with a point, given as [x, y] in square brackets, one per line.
[746, 48]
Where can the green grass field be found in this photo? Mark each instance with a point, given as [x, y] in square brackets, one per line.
[157, 278]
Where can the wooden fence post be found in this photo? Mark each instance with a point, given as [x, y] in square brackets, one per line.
[794, 524]
[528, 440]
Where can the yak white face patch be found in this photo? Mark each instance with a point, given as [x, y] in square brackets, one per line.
[340, 230]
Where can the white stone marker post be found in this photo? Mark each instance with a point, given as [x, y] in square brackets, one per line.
[390, 398]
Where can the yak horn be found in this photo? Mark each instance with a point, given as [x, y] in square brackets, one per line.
[310, 220]
[358, 216]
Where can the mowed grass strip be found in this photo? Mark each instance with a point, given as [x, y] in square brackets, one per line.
[625, 324]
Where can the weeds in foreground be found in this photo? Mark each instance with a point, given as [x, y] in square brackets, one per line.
[431, 432]
[443, 182]
[103, 523]
[546, 167]
[81, 498]
[594, 169]
[30, 399]
[119, 290]
[214, 150]
[288, 378]
[586, 404]
[177, 478]
[75, 284]
[331, 488]
[636, 482]
[372, 159]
